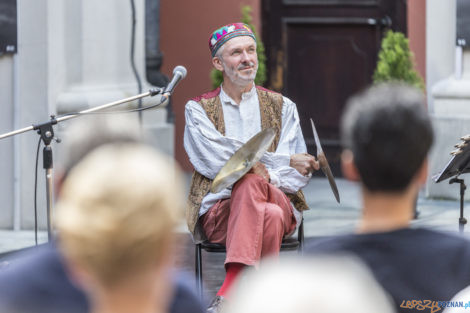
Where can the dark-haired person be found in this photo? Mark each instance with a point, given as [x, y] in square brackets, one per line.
[387, 133]
[252, 217]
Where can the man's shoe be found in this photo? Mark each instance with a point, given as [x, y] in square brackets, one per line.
[216, 305]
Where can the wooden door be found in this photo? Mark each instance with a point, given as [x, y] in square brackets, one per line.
[320, 52]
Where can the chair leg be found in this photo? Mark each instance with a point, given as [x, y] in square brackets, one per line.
[301, 236]
[199, 270]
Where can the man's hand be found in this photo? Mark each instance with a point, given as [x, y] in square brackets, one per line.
[260, 170]
[304, 163]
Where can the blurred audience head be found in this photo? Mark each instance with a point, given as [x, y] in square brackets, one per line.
[86, 133]
[321, 284]
[460, 303]
[387, 132]
[116, 218]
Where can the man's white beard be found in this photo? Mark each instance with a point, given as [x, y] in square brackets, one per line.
[236, 78]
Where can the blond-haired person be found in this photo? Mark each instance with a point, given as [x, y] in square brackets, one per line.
[116, 220]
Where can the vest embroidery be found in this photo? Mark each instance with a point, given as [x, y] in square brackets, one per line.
[270, 104]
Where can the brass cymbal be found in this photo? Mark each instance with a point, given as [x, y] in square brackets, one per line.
[325, 167]
[243, 160]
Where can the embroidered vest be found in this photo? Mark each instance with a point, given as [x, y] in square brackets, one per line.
[270, 104]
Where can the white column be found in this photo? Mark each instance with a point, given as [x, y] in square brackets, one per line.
[89, 60]
[73, 54]
[6, 145]
[440, 42]
[32, 100]
[91, 63]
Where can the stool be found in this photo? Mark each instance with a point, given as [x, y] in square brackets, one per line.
[288, 244]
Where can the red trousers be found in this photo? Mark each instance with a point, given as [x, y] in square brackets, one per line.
[252, 223]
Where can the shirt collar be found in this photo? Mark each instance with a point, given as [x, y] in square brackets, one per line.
[225, 98]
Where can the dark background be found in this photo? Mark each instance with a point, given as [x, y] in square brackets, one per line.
[321, 52]
[8, 27]
[463, 23]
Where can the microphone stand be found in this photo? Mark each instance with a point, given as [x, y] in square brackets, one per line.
[46, 132]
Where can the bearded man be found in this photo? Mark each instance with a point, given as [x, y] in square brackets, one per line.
[251, 217]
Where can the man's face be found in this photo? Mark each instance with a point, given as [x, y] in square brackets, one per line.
[239, 60]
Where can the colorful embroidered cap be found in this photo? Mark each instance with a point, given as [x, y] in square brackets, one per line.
[227, 32]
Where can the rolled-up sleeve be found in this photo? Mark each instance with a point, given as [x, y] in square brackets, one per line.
[287, 178]
[207, 149]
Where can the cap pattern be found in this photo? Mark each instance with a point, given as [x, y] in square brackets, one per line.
[227, 32]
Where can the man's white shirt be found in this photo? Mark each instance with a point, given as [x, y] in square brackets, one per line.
[208, 150]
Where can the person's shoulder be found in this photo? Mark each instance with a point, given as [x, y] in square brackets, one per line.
[34, 266]
[287, 103]
[267, 90]
[446, 240]
[357, 243]
[39, 275]
[327, 245]
[443, 237]
[208, 95]
[185, 299]
[29, 261]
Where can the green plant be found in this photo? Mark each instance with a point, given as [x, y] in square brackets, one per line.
[260, 79]
[396, 61]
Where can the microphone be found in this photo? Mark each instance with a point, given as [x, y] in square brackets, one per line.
[178, 74]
